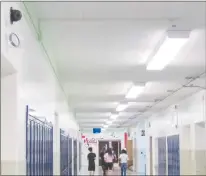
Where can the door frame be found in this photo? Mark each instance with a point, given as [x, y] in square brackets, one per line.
[109, 140]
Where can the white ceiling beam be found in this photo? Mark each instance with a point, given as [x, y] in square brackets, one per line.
[98, 125]
[100, 118]
[129, 109]
[94, 120]
[171, 74]
[75, 99]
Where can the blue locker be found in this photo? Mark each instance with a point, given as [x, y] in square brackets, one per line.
[162, 156]
[64, 153]
[80, 155]
[39, 146]
[173, 155]
[75, 157]
[70, 156]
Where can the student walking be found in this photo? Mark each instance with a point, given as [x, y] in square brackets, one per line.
[114, 158]
[103, 163]
[123, 162]
[91, 161]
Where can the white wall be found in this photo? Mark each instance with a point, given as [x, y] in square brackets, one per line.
[33, 84]
[188, 111]
[11, 128]
[188, 114]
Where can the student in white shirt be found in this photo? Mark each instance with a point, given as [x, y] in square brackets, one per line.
[123, 161]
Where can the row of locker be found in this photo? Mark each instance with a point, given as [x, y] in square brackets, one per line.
[168, 155]
[39, 149]
[66, 163]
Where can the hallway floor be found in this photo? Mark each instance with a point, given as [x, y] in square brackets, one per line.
[99, 171]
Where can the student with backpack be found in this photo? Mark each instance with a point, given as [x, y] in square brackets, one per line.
[108, 158]
[103, 163]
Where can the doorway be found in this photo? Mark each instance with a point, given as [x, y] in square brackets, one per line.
[102, 144]
[116, 145]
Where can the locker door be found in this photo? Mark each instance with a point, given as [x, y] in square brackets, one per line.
[177, 155]
[64, 153]
[39, 146]
[173, 155]
[70, 156]
[75, 157]
[170, 155]
[162, 156]
[80, 155]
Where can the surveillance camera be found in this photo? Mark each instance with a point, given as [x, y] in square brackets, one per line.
[15, 15]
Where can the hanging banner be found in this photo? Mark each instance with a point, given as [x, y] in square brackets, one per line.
[92, 141]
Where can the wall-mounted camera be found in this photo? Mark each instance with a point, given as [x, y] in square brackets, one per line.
[15, 15]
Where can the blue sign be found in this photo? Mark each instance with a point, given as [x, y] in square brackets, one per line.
[96, 130]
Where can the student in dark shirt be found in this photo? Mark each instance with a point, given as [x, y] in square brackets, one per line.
[91, 158]
[103, 151]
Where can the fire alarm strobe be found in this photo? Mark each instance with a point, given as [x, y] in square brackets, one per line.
[15, 15]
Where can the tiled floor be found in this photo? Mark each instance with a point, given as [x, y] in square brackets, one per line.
[99, 171]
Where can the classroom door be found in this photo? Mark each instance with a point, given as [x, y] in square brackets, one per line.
[173, 155]
[101, 145]
[162, 156]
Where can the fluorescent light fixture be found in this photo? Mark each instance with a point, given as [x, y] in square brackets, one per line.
[121, 107]
[105, 126]
[166, 53]
[134, 91]
[109, 122]
[114, 116]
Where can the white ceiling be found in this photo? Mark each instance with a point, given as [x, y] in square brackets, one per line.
[100, 49]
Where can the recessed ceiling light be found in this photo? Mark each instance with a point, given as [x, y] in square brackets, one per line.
[134, 91]
[114, 116]
[109, 122]
[168, 50]
[121, 107]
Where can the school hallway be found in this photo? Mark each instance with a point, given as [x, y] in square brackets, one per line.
[117, 171]
[107, 76]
